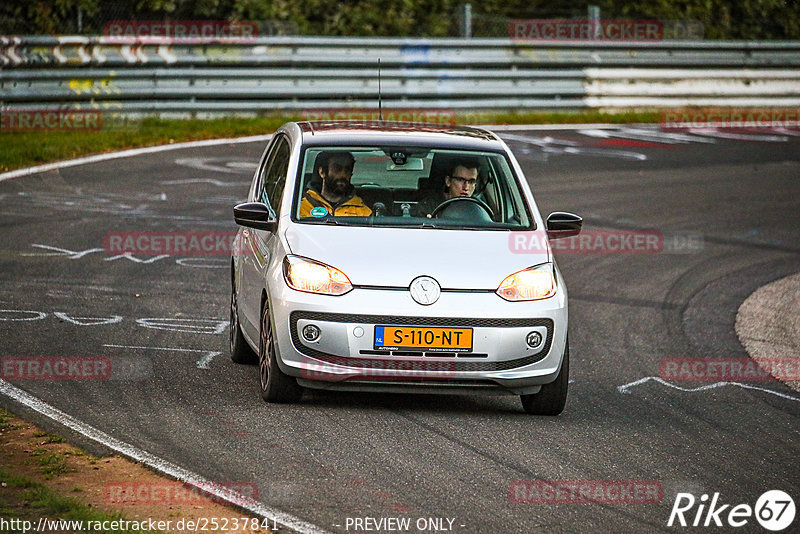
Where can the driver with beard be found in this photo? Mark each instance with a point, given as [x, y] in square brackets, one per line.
[335, 193]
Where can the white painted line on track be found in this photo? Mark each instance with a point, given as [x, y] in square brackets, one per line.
[203, 363]
[88, 321]
[211, 181]
[544, 127]
[715, 132]
[128, 153]
[624, 389]
[550, 145]
[154, 462]
[154, 348]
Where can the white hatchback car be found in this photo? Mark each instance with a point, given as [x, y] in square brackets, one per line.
[397, 257]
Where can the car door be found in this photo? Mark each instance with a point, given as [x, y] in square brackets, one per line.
[256, 247]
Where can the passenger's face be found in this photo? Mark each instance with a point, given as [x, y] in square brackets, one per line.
[462, 182]
[340, 171]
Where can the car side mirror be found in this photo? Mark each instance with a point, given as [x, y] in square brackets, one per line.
[563, 224]
[255, 215]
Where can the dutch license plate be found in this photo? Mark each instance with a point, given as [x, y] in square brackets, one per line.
[423, 338]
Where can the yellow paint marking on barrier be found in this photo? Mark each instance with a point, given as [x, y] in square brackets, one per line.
[80, 86]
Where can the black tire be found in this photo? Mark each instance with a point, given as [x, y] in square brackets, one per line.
[275, 385]
[239, 348]
[552, 398]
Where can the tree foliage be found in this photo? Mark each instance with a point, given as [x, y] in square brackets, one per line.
[43, 17]
[722, 19]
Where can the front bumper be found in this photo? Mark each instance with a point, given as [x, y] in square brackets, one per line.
[345, 357]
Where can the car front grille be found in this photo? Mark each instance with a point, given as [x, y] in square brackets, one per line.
[457, 363]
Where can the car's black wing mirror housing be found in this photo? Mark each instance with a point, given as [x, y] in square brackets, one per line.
[255, 215]
[563, 224]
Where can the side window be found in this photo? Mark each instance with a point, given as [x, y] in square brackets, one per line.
[273, 175]
[257, 187]
[276, 175]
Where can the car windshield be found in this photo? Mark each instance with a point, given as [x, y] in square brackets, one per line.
[409, 186]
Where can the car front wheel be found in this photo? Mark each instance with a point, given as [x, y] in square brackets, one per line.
[552, 398]
[275, 385]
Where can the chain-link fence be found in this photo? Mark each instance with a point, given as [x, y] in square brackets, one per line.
[471, 23]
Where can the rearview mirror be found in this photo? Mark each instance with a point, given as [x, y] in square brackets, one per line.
[410, 164]
[255, 215]
[563, 224]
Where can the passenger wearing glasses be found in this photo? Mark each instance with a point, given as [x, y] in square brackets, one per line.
[459, 182]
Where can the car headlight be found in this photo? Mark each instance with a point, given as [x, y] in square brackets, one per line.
[312, 276]
[533, 283]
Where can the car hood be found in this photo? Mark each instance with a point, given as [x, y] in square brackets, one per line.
[393, 257]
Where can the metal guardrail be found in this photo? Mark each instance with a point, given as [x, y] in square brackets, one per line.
[290, 73]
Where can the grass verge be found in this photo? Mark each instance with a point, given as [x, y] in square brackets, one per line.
[43, 478]
[27, 501]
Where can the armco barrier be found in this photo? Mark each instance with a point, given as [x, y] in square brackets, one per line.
[294, 73]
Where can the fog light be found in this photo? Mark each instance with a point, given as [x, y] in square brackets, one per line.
[311, 333]
[534, 339]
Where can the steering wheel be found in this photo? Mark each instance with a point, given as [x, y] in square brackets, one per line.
[459, 200]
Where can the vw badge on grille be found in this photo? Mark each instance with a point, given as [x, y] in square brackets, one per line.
[425, 290]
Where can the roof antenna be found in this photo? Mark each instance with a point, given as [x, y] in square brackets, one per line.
[380, 104]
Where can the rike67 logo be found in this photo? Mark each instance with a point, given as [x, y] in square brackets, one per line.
[774, 510]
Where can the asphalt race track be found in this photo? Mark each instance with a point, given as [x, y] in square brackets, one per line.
[725, 205]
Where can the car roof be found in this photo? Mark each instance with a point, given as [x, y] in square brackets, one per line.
[370, 133]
